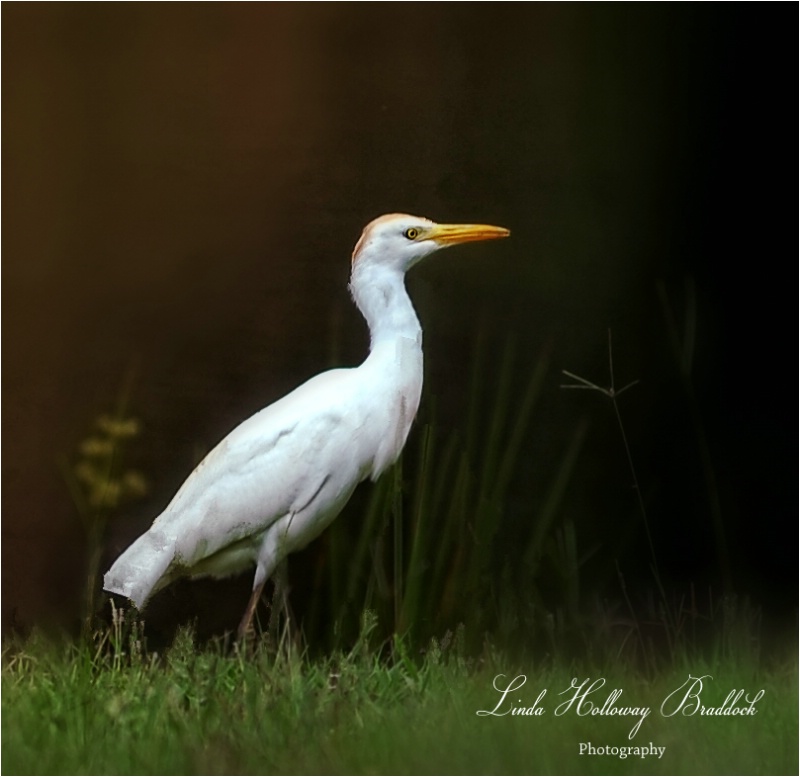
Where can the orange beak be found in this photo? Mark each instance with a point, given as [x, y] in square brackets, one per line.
[450, 234]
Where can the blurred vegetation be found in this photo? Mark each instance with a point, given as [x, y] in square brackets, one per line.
[436, 549]
[101, 483]
[432, 550]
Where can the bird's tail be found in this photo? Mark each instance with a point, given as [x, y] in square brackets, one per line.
[142, 569]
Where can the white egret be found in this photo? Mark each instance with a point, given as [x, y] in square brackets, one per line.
[280, 478]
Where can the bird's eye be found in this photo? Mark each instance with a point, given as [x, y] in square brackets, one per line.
[411, 233]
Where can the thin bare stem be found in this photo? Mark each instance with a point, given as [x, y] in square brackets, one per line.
[612, 393]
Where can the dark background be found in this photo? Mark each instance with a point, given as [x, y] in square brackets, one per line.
[183, 185]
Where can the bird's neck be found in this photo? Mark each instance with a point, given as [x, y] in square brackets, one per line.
[381, 296]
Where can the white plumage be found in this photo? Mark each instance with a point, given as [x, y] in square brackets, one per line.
[279, 479]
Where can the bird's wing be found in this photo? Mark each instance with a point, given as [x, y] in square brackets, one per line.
[270, 466]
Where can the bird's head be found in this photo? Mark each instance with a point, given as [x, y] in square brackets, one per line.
[398, 241]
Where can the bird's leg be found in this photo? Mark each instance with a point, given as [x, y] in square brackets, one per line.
[280, 596]
[247, 618]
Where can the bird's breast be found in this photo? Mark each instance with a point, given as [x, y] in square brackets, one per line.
[393, 379]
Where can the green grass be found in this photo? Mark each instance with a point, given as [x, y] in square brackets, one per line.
[114, 708]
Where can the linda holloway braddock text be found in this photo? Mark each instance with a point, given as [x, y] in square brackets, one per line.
[686, 700]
